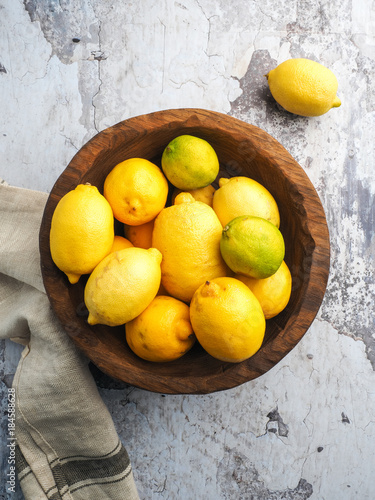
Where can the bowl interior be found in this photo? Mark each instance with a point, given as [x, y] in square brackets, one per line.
[242, 150]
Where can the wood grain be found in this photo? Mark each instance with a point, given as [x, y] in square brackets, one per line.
[243, 149]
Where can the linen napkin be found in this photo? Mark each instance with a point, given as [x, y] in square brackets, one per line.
[66, 445]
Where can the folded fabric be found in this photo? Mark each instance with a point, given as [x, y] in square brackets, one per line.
[66, 445]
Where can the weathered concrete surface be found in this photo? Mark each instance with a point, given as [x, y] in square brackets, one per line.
[69, 69]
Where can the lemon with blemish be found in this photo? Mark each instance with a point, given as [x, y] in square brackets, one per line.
[137, 191]
[162, 332]
[227, 319]
[189, 162]
[244, 196]
[252, 246]
[122, 285]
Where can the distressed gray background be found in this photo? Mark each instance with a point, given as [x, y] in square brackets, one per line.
[69, 69]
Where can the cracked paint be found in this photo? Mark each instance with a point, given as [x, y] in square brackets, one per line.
[98, 56]
[63, 24]
[281, 428]
[238, 478]
[352, 234]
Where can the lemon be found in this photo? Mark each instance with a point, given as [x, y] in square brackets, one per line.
[304, 87]
[188, 236]
[137, 191]
[82, 231]
[244, 196]
[227, 319]
[190, 162]
[274, 292]
[122, 285]
[162, 332]
[252, 246]
[205, 194]
[140, 236]
[119, 243]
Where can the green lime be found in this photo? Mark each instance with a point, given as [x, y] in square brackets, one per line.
[252, 246]
[189, 162]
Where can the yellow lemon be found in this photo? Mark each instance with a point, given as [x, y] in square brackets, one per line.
[252, 246]
[140, 236]
[227, 319]
[119, 243]
[304, 87]
[190, 162]
[82, 231]
[162, 332]
[205, 194]
[244, 196]
[122, 285]
[188, 236]
[274, 292]
[137, 191]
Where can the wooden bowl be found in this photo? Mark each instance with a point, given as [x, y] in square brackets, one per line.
[242, 149]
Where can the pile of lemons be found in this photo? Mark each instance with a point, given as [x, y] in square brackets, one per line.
[195, 262]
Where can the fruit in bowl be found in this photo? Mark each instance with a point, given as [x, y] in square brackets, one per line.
[188, 252]
[251, 153]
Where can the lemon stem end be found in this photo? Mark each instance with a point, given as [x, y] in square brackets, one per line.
[73, 278]
[336, 103]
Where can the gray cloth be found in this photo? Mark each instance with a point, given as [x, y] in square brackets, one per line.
[66, 443]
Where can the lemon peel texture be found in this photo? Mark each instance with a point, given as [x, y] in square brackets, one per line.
[304, 87]
[227, 319]
[122, 285]
[82, 231]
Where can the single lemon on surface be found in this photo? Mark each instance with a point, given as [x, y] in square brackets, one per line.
[188, 236]
[205, 194]
[274, 292]
[304, 87]
[140, 236]
[162, 332]
[189, 162]
[227, 319]
[122, 285]
[82, 231]
[244, 196]
[119, 243]
[252, 246]
[137, 191]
